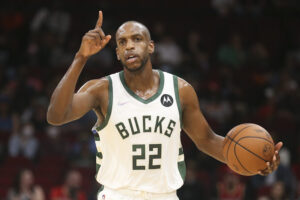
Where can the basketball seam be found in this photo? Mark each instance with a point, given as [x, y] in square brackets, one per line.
[233, 138]
[239, 159]
[247, 149]
[257, 137]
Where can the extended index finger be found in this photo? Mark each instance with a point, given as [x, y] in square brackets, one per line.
[278, 146]
[99, 21]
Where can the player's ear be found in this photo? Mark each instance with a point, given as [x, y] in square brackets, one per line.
[117, 52]
[151, 47]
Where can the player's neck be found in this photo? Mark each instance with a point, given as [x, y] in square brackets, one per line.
[141, 80]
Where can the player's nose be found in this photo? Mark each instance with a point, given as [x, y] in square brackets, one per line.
[129, 45]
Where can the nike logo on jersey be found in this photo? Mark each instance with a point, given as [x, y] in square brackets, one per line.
[120, 103]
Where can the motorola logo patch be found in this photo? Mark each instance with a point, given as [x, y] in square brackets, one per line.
[166, 100]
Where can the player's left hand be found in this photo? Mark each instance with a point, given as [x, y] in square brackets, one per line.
[273, 165]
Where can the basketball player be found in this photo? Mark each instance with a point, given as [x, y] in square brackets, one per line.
[140, 113]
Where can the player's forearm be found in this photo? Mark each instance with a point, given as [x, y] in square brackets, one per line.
[213, 146]
[61, 100]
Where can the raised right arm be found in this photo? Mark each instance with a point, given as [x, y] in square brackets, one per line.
[66, 105]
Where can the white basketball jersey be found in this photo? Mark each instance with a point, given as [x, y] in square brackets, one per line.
[138, 143]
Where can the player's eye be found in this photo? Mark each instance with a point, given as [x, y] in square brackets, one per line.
[137, 39]
[122, 42]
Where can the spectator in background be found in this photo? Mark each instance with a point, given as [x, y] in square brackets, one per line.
[159, 31]
[259, 56]
[230, 187]
[56, 20]
[6, 119]
[250, 7]
[277, 192]
[24, 187]
[197, 51]
[23, 142]
[232, 53]
[169, 53]
[81, 155]
[54, 144]
[193, 189]
[70, 190]
[282, 175]
[223, 7]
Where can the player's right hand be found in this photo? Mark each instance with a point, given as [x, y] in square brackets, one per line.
[94, 40]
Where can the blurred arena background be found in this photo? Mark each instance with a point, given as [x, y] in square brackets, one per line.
[241, 56]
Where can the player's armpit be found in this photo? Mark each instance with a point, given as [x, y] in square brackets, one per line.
[89, 96]
[195, 125]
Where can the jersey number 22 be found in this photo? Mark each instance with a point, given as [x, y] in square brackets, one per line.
[142, 156]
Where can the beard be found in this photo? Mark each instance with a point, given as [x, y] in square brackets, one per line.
[139, 68]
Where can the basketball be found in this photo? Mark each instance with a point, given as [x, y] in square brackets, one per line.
[247, 148]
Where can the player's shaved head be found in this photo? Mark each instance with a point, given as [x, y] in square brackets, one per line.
[129, 25]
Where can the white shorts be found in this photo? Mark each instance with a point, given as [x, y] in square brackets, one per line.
[111, 194]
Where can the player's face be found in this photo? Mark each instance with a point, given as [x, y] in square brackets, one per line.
[133, 46]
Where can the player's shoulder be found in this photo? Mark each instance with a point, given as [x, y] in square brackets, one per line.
[182, 84]
[186, 91]
[98, 85]
[95, 85]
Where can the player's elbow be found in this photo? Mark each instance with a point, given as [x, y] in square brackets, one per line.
[206, 143]
[54, 119]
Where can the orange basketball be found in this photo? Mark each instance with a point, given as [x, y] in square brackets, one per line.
[247, 148]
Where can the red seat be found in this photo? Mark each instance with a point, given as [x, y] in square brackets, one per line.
[263, 191]
[6, 180]
[296, 170]
[18, 162]
[9, 171]
[52, 160]
[88, 175]
[3, 191]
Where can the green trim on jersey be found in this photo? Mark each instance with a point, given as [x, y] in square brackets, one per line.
[97, 168]
[110, 102]
[182, 169]
[175, 79]
[100, 190]
[96, 137]
[180, 151]
[99, 155]
[145, 101]
[181, 165]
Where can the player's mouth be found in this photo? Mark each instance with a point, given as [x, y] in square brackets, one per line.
[131, 58]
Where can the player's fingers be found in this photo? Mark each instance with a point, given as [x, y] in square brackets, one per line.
[100, 19]
[262, 173]
[259, 172]
[93, 35]
[269, 164]
[278, 146]
[96, 38]
[274, 157]
[107, 38]
[100, 32]
[88, 37]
